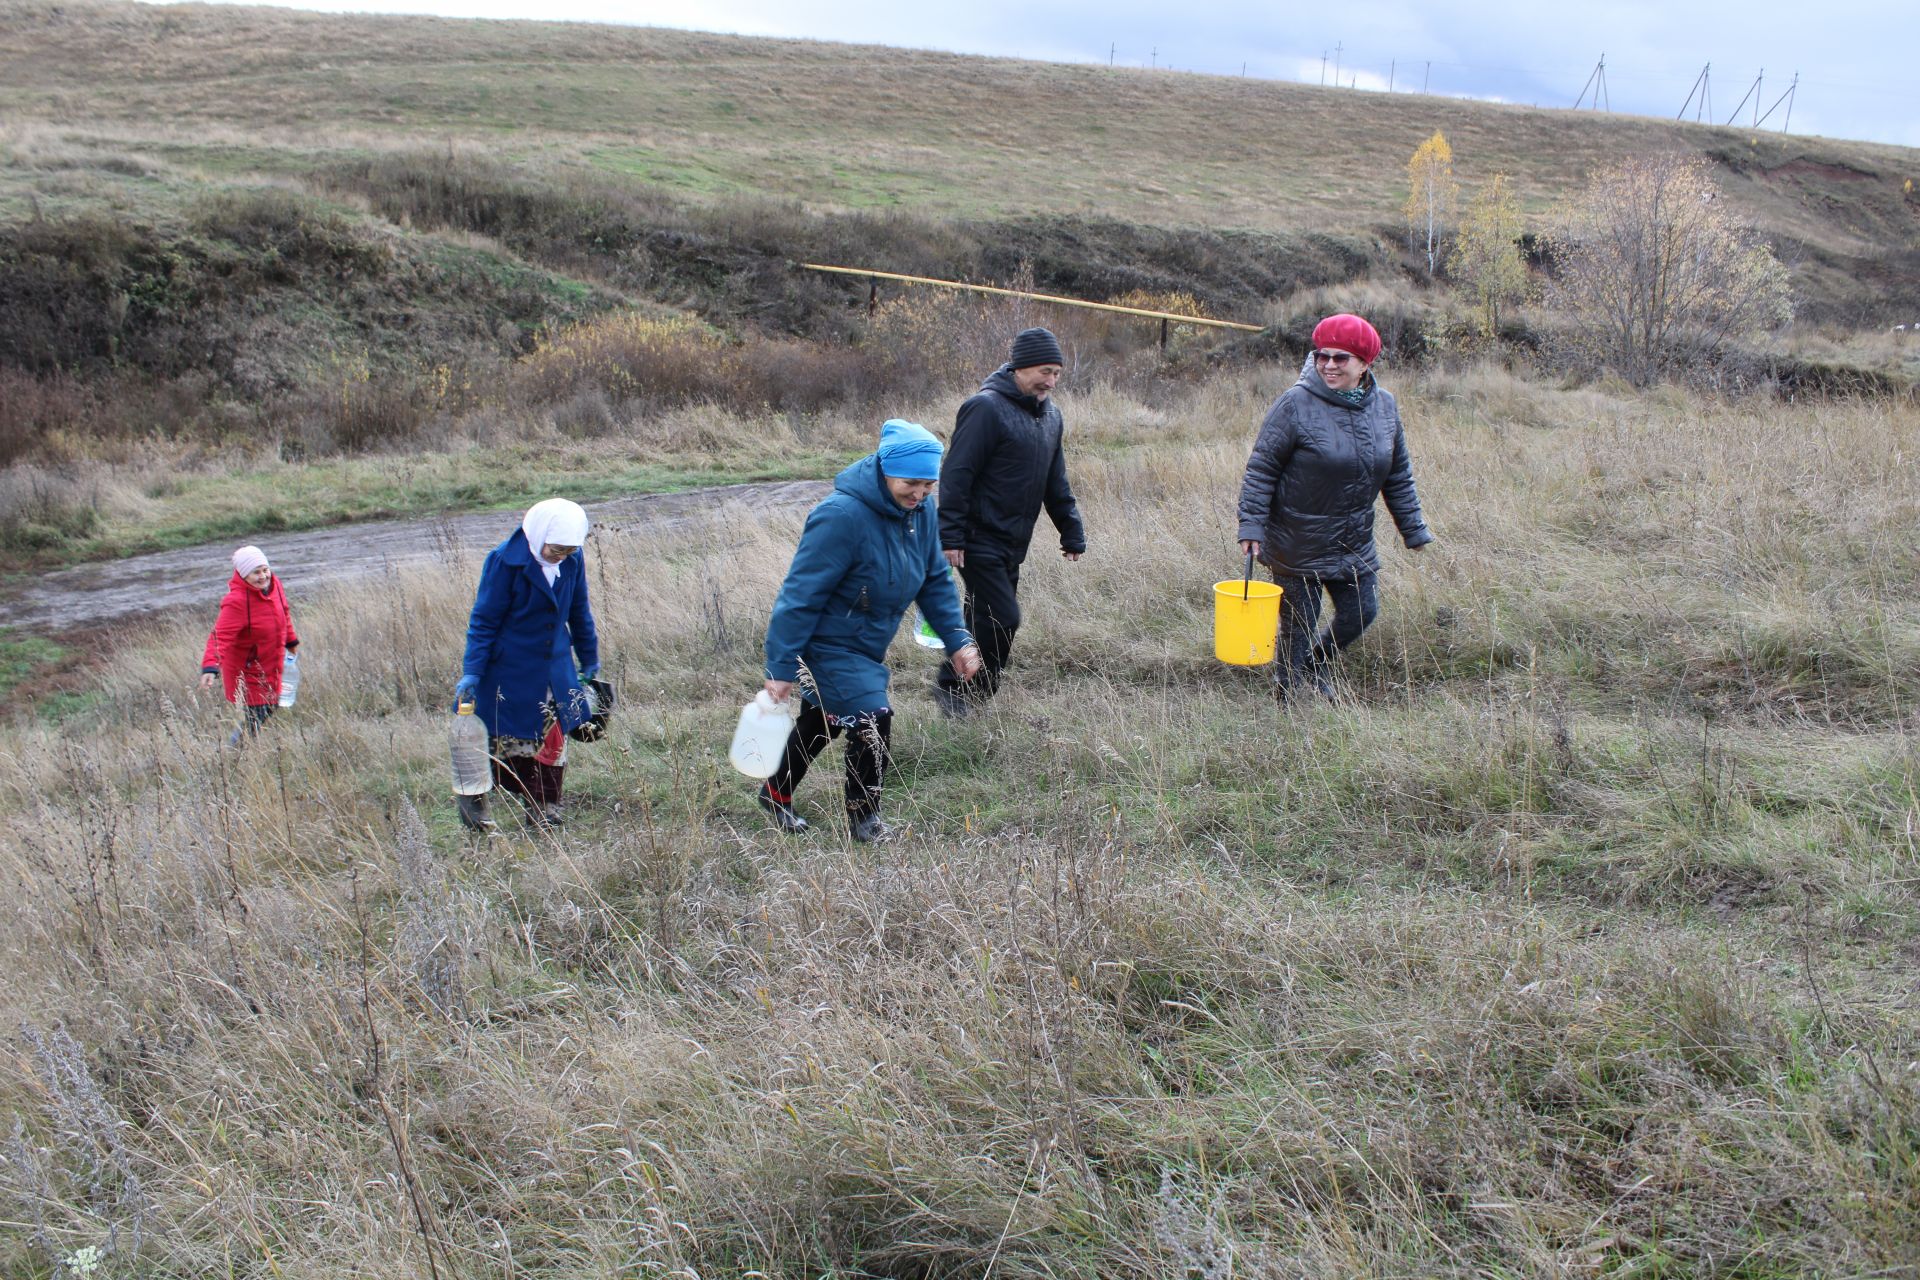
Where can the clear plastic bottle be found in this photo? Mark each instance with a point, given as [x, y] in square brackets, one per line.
[765, 726]
[923, 633]
[472, 776]
[290, 680]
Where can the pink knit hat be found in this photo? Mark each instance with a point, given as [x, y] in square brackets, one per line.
[247, 559]
[1346, 332]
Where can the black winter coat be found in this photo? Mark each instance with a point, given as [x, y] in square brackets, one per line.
[1316, 469]
[1004, 463]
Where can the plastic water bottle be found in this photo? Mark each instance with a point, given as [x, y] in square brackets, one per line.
[923, 633]
[471, 774]
[289, 679]
[761, 738]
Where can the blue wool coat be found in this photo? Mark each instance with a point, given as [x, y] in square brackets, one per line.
[519, 637]
[861, 561]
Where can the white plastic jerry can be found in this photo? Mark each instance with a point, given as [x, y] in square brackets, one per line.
[765, 726]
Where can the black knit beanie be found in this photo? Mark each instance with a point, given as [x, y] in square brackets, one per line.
[1035, 346]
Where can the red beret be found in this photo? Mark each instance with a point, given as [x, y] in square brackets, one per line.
[1346, 332]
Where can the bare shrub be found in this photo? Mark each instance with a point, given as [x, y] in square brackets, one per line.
[585, 414]
[434, 933]
[35, 410]
[630, 359]
[87, 1165]
[42, 509]
[1656, 272]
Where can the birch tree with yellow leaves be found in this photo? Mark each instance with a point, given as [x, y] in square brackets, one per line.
[1486, 259]
[1431, 196]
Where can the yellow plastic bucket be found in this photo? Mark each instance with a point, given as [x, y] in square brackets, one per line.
[1246, 615]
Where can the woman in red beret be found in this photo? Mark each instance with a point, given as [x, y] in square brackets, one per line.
[1329, 446]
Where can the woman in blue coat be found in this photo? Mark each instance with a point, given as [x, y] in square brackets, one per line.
[530, 625]
[869, 550]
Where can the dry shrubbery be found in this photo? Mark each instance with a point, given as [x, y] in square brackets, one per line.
[1566, 942]
[642, 364]
[1657, 274]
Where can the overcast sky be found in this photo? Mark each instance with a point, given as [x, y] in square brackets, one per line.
[1855, 58]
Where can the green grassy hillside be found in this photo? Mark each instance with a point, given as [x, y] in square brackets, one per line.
[226, 91]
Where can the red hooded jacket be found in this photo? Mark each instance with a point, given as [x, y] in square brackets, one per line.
[251, 637]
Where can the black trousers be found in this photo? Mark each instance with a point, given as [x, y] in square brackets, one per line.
[993, 615]
[869, 737]
[1305, 649]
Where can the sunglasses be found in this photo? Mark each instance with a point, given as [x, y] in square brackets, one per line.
[1337, 359]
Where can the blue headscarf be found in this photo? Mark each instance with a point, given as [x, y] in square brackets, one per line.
[908, 451]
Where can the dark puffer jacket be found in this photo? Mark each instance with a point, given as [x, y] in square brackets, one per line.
[1315, 471]
[1005, 462]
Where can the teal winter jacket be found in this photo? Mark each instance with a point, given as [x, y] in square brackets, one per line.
[861, 561]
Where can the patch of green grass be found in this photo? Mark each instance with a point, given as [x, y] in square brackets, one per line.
[193, 509]
[67, 704]
[23, 657]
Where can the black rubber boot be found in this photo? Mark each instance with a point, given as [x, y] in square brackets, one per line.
[870, 830]
[473, 814]
[782, 812]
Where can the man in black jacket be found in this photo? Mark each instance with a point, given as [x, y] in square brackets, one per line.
[1004, 463]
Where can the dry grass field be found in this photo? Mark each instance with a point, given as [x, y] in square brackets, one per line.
[1577, 938]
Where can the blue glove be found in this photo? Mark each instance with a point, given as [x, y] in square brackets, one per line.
[588, 673]
[466, 689]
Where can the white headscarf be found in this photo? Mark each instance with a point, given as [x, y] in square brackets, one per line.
[555, 520]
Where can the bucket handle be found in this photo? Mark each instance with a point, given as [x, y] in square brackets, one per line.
[1246, 587]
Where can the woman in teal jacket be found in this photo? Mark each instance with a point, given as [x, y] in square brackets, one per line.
[869, 550]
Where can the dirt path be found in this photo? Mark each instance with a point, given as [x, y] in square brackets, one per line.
[94, 596]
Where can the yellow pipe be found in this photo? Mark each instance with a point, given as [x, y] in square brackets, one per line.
[1175, 317]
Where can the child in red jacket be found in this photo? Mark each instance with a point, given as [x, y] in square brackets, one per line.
[250, 641]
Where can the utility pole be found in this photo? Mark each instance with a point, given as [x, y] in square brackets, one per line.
[1110, 49]
[1701, 86]
[1786, 97]
[1426, 78]
[1336, 64]
[1323, 68]
[1753, 91]
[1391, 68]
[1155, 63]
[1597, 82]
